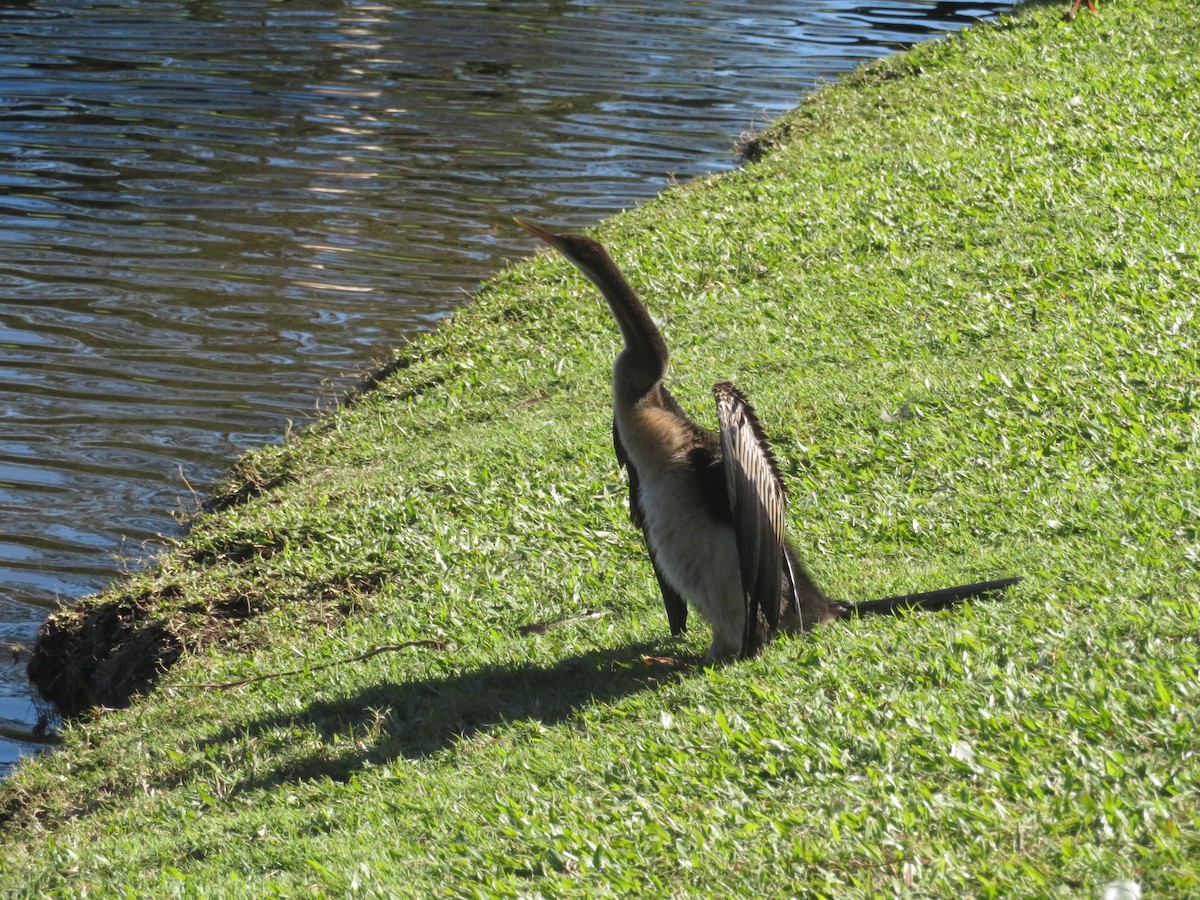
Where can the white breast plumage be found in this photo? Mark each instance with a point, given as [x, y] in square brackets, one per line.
[700, 562]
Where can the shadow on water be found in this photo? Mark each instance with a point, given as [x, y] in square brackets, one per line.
[417, 719]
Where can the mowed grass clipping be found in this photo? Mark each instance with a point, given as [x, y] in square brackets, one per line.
[961, 290]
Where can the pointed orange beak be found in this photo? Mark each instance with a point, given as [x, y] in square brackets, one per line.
[547, 236]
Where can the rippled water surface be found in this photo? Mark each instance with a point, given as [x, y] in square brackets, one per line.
[211, 211]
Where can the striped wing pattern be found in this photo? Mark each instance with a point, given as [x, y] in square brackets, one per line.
[758, 502]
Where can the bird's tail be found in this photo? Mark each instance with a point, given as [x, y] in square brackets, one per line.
[930, 600]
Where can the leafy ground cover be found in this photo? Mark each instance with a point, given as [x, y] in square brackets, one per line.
[961, 289]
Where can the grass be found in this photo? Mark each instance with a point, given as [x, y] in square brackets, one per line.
[961, 290]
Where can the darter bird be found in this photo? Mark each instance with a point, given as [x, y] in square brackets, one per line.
[711, 506]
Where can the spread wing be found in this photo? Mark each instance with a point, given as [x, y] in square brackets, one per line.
[675, 604]
[757, 500]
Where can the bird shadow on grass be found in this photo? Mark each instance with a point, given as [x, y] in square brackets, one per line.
[417, 719]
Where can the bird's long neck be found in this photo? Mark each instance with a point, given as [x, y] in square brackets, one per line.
[643, 362]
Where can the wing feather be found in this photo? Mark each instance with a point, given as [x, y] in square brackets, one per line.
[758, 501]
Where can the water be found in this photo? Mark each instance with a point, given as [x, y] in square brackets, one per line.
[211, 212]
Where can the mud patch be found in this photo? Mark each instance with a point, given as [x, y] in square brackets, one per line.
[101, 656]
[107, 652]
[243, 492]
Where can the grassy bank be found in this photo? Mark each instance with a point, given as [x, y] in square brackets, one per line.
[961, 290]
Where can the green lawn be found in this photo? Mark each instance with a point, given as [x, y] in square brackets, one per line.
[961, 290]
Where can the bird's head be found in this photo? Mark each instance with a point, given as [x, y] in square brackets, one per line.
[589, 256]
